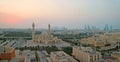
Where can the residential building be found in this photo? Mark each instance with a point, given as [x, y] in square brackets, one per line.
[86, 54]
[60, 56]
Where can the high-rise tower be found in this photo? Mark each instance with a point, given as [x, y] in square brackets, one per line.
[33, 31]
[106, 27]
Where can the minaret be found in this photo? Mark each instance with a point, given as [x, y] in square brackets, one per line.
[33, 31]
[49, 29]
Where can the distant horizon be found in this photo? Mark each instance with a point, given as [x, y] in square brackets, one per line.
[64, 27]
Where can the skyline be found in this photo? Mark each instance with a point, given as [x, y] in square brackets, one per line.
[68, 13]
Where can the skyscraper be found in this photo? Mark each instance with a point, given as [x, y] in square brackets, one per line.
[33, 31]
[88, 27]
[106, 27]
[85, 28]
[111, 28]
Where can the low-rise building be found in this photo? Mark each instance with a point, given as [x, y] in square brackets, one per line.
[61, 56]
[7, 53]
[97, 40]
[116, 55]
[105, 42]
[86, 54]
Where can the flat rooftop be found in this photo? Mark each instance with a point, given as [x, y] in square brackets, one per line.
[5, 49]
[116, 54]
[62, 56]
[86, 49]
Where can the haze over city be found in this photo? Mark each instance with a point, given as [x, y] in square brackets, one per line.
[59, 30]
[68, 13]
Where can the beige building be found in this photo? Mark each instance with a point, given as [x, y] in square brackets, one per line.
[116, 55]
[61, 56]
[44, 37]
[113, 36]
[94, 41]
[86, 54]
[101, 40]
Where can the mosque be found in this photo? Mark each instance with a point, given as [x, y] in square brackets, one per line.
[44, 37]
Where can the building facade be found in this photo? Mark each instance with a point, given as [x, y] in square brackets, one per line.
[61, 56]
[7, 53]
[44, 37]
[86, 54]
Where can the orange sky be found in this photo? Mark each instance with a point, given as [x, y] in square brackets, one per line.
[10, 19]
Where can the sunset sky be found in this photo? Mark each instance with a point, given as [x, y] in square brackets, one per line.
[68, 13]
